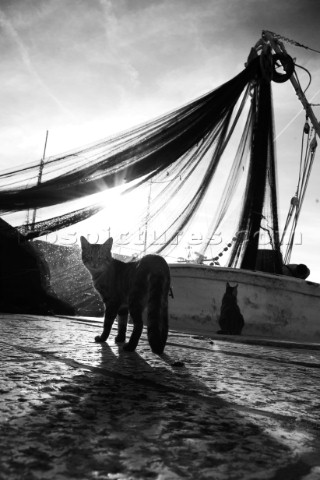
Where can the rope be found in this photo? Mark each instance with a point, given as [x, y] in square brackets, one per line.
[310, 77]
[306, 162]
[293, 42]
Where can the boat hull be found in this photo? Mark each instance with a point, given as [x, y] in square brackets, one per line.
[273, 306]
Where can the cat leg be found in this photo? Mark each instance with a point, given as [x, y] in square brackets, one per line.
[136, 315]
[110, 314]
[157, 337]
[122, 324]
[158, 315]
[164, 323]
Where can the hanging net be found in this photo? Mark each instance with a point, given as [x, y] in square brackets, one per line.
[259, 212]
[175, 163]
[139, 154]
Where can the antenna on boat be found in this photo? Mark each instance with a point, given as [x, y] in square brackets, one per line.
[147, 219]
[39, 179]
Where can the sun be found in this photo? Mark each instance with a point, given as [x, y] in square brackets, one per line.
[122, 217]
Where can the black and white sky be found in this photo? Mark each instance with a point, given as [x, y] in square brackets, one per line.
[84, 69]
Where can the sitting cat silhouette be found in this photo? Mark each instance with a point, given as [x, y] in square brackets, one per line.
[231, 320]
[130, 288]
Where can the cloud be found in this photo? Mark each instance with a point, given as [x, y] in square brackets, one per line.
[114, 35]
[14, 36]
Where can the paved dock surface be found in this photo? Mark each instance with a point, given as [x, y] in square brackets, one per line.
[206, 409]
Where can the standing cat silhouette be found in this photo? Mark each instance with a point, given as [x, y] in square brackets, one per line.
[130, 287]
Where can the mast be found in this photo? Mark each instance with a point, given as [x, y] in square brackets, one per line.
[272, 41]
[39, 179]
[147, 219]
[279, 48]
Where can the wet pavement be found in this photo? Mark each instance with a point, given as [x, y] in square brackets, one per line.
[207, 408]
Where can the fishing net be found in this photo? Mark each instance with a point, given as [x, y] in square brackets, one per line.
[138, 154]
[174, 161]
[259, 213]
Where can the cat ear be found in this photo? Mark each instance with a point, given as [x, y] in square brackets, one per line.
[108, 244]
[84, 242]
[228, 284]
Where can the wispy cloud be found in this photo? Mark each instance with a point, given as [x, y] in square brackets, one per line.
[114, 34]
[7, 26]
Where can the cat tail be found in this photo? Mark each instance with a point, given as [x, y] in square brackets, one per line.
[157, 313]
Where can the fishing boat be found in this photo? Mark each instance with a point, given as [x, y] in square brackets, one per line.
[181, 152]
[274, 305]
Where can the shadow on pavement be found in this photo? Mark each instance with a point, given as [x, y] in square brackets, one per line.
[135, 421]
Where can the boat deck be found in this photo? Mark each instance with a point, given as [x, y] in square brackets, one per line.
[208, 408]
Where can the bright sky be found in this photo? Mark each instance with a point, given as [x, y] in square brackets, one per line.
[84, 69]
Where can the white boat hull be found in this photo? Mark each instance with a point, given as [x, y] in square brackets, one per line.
[273, 306]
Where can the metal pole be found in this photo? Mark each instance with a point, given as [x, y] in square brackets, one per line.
[278, 47]
[147, 219]
[42, 160]
[40, 178]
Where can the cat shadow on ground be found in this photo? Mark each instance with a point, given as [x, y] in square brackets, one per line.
[136, 415]
[144, 366]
